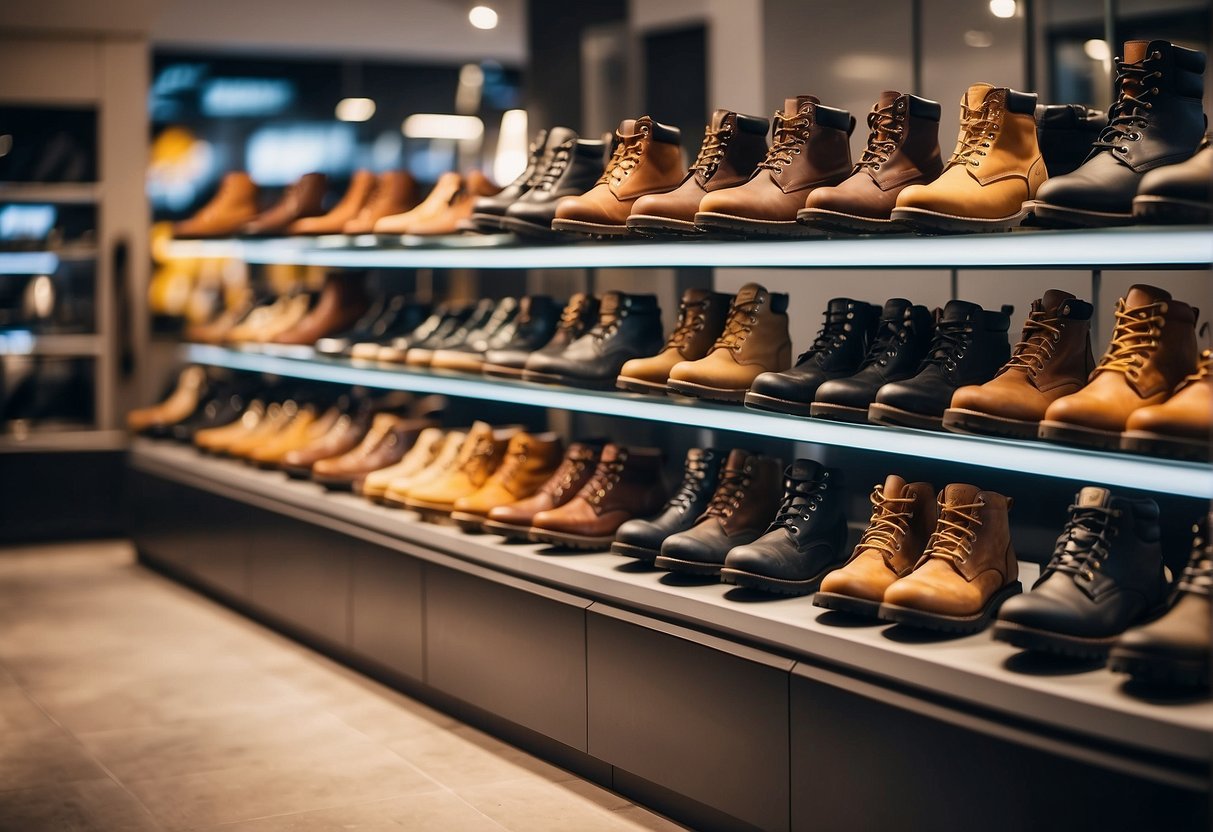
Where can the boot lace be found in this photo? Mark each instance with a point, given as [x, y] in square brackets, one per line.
[711, 152]
[570, 316]
[691, 319]
[790, 136]
[800, 498]
[978, 129]
[1089, 530]
[833, 333]
[604, 479]
[510, 466]
[955, 532]
[884, 137]
[891, 517]
[743, 317]
[890, 334]
[692, 480]
[550, 175]
[1128, 114]
[626, 157]
[952, 340]
[570, 470]
[729, 493]
[1136, 334]
[479, 459]
[1041, 334]
[1197, 576]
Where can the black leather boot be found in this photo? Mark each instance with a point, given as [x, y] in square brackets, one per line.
[445, 319]
[902, 341]
[1179, 194]
[629, 326]
[837, 351]
[969, 347]
[419, 354]
[806, 540]
[642, 539]
[487, 211]
[1106, 575]
[1065, 133]
[573, 166]
[574, 321]
[399, 315]
[1156, 120]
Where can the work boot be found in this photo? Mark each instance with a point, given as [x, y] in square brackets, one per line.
[1051, 360]
[231, 208]
[648, 160]
[513, 521]
[305, 198]
[701, 319]
[1065, 133]
[395, 193]
[626, 484]
[533, 326]
[1181, 426]
[1179, 194]
[903, 339]
[487, 211]
[755, 340]
[1157, 120]
[995, 168]
[469, 355]
[1176, 648]
[970, 345]
[903, 150]
[440, 197]
[471, 325]
[441, 464]
[441, 323]
[733, 145]
[571, 169]
[903, 517]
[530, 460]
[415, 460]
[967, 570]
[362, 183]
[811, 149]
[741, 509]
[342, 302]
[389, 318]
[1106, 575]
[386, 443]
[803, 543]
[479, 456]
[344, 435]
[213, 440]
[628, 326]
[578, 315]
[837, 351]
[452, 218]
[642, 538]
[1153, 349]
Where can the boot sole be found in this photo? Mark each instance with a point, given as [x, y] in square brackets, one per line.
[472, 365]
[1055, 216]
[1160, 670]
[569, 381]
[883, 414]
[506, 530]
[430, 512]
[298, 472]
[651, 225]
[570, 541]
[529, 229]
[960, 420]
[501, 371]
[839, 413]
[468, 522]
[1157, 444]
[636, 385]
[589, 229]
[847, 603]
[761, 401]
[776, 586]
[750, 227]
[700, 391]
[1058, 644]
[486, 223]
[961, 624]
[846, 223]
[333, 483]
[1169, 211]
[1068, 434]
[639, 552]
[688, 567]
[934, 222]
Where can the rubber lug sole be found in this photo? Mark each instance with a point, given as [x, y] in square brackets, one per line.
[1056, 216]
[750, 227]
[628, 550]
[960, 420]
[589, 229]
[883, 414]
[959, 624]
[1160, 670]
[847, 603]
[1058, 644]
[1069, 434]
[702, 391]
[934, 222]
[1173, 447]
[775, 586]
[761, 401]
[1162, 210]
[571, 541]
[837, 221]
[688, 567]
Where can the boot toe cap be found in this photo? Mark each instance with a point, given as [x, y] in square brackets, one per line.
[640, 533]
[847, 582]
[690, 548]
[1079, 410]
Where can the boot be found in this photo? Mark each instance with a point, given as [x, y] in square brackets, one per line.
[345, 434]
[391, 317]
[1053, 359]
[1181, 426]
[572, 168]
[223, 405]
[441, 323]
[1180, 194]
[342, 301]
[804, 542]
[458, 211]
[395, 193]
[1153, 349]
[469, 355]
[755, 340]
[626, 484]
[1065, 133]
[449, 337]
[1106, 575]
[530, 460]
[443, 463]
[903, 150]
[810, 149]
[479, 456]
[740, 510]
[733, 145]
[513, 521]
[642, 538]
[837, 351]
[628, 326]
[648, 160]
[487, 211]
[333, 222]
[187, 396]
[301, 430]
[701, 318]
[422, 453]
[575, 319]
[967, 570]
[303, 199]
[214, 439]
[532, 326]
[903, 339]
[440, 197]
[970, 345]
[995, 168]
[229, 210]
[278, 417]
[1157, 120]
[903, 517]
[386, 443]
[1176, 649]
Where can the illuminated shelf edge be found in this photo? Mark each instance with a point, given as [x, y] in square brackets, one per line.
[1162, 476]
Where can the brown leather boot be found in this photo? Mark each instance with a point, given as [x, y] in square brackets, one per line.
[303, 199]
[1153, 349]
[441, 463]
[342, 437]
[232, 206]
[903, 517]
[755, 341]
[1182, 425]
[395, 192]
[385, 444]
[355, 197]
[343, 300]
[967, 570]
[1051, 360]
[733, 145]
[903, 150]
[437, 201]
[994, 170]
[746, 500]
[811, 149]
[530, 460]
[418, 457]
[626, 484]
[701, 318]
[479, 456]
[647, 160]
[513, 521]
[183, 401]
[450, 220]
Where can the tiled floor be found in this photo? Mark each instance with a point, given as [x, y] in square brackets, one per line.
[128, 703]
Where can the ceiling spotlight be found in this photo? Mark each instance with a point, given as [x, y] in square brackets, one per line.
[440, 126]
[482, 17]
[355, 109]
[1003, 8]
[1097, 50]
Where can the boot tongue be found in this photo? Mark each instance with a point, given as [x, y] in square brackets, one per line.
[888, 98]
[959, 494]
[748, 293]
[1093, 497]
[959, 310]
[627, 127]
[737, 460]
[1143, 295]
[803, 470]
[1136, 51]
[893, 486]
[612, 452]
[1055, 299]
[610, 303]
[792, 106]
[895, 309]
[559, 135]
[719, 118]
[975, 96]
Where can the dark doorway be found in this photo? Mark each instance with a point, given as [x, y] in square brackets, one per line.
[675, 81]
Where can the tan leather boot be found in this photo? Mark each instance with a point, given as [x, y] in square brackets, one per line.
[1182, 425]
[214, 440]
[229, 210]
[179, 405]
[967, 570]
[438, 200]
[395, 192]
[530, 460]
[811, 149]
[450, 220]
[995, 168]
[513, 521]
[355, 197]
[278, 417]
[305, 198]
[701, 319]
[343, 300]
[300, 430]
[386, 443]
[1053, 359]
[903, 517]
[443, 462]
[647, 160]
[755, 341]
[375, 484]
[1153, 349]
[479, 457]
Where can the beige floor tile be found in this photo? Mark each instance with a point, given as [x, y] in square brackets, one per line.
[640, 818]
[431, 811]
[19, 715]
[86, 806]
[533, 805]
[464, 756]
[28, 760]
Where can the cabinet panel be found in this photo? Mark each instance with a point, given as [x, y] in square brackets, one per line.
[386, 621]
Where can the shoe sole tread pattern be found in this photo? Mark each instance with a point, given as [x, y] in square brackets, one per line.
[506, 530]
[590, 229]
[1068, 434]
[773, 404]
[1057, 216]
[846, 223]
[778, 586]
[963, 420]
[629, 550]
[702, 391]
[847, 603]
[1157, 444]
[652, 225]
[712, 221]
[935, 222]
[939, 622]
[840, 413]
[883, 414]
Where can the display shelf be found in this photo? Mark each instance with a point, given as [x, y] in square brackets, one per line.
[28, 262]
[55, 193]
[1089, 249]
[24, 342]
[973, 670]
[1161, 476]
[40, 441]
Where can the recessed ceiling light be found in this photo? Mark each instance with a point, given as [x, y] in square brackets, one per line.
[482, 17]
[1003, 8]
